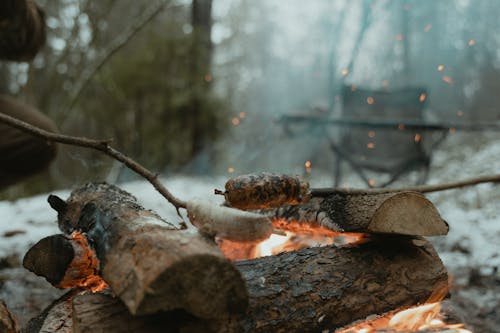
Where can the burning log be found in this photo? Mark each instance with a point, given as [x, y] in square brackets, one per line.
[150, 264]
[405, 213]
[308, 290]
[8, 323]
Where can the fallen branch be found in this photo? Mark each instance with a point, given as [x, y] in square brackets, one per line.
[101, 145]
[324, 192]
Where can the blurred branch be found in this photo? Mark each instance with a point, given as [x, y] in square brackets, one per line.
[114, 47]
[321, 192]
[101, 145]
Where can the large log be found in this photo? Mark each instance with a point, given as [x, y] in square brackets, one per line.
[316, 289]
[404, 213]
[150, 264]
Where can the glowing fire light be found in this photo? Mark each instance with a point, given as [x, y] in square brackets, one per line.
[440, 68]
[370, 100]
[422, 97]
[448, 79]
[371, 182]
[370, 145]
[307, 164]
[83, 270]
[208, 78]
[345, 72]
[472, 42]
[243, 115]
[417, 137]
[423, 317]
[235, 121]
[231, 170]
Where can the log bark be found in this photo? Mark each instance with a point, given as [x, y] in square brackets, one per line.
[404, 213]
[8, 323]
[310, 290]
[150, 264]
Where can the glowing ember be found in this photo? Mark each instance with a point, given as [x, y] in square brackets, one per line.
[440, 68]
[422, 98]
[424, 317]
[370, 100]
[472, 42]
[417, 137]
[231, 170]
[243, 114]
[345, 72]
[370, 145]
[235, 121]
[448, 79]
[307, 164]
[83, 271]
[371, 182]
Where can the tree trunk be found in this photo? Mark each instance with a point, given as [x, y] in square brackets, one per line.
[200, 76]
[405, 213]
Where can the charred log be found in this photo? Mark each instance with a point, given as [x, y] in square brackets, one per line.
[319, 289]
[405, 213]
[150, 264]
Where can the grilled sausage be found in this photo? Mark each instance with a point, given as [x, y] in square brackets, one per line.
[265, 191]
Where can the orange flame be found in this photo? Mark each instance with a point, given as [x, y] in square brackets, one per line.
[83, 270]
[414, 319]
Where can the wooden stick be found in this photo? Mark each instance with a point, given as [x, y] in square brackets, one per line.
[323, 192]
[101, 145]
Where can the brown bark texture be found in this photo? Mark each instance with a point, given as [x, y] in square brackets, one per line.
[150, 264]
[8, 323]
[404, 213]
[310, 290]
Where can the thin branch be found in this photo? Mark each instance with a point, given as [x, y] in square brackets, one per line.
[101, 145]
[322, 192]
[115, 45]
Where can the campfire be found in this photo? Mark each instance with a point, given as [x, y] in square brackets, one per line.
[343, 262]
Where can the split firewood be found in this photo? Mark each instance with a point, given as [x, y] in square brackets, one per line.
[405, 213]
[310, 290]
[8, 323]
[149, 264]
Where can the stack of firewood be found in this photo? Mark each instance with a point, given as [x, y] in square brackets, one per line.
[128, 270]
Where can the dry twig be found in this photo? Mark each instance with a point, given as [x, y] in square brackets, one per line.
[321, 192]
[101, 145]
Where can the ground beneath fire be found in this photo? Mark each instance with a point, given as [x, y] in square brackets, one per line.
[471, 251]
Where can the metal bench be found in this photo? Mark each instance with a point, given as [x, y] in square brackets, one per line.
[393, 151]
